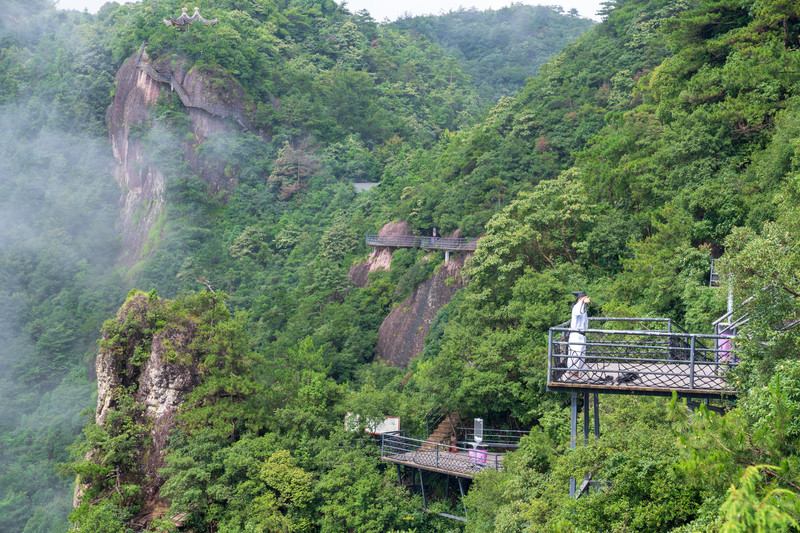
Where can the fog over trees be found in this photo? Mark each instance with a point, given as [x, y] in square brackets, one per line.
[619, 159]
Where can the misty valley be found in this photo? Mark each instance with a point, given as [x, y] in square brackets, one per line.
[272, 265]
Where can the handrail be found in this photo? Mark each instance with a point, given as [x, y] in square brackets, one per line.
[433, 417]
[501, 438]
[668, 321]
[657, 361]
[433, 455]
[415, 241]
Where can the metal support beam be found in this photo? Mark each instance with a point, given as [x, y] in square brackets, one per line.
[399, 478]
[586, 419]
[596, 418]
[573, 422]
[422, 488]
[461, 489]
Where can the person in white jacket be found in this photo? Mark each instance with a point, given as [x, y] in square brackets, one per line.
[577, 340]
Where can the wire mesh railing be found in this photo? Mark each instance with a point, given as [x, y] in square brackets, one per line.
[429, 455]
[640, 353]
[414, 241]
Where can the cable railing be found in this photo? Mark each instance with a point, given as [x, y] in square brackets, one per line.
[647, 355]
[414, 241]
[493, 438]
[398, 448]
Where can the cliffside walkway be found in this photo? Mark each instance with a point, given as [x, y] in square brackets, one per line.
[635, 356]
[186, 100]
[448, 244]
[459, 461]
[642, 356]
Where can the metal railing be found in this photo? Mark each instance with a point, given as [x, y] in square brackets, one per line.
[414, 241]
[646, 354]
[729, 323]
[494, 438]
[713, 276]
[433, 418]
[458, 459]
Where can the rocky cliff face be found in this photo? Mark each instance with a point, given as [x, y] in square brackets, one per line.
[159, 370]
[380, 256]
[402, 334]
[143, 184]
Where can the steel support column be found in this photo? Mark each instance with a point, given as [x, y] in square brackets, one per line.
[586, 419]
[461, 489]
[422, 488]
[596, 418]
[573, 421]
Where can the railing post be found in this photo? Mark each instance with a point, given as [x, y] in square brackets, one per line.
[691, 364]
[586, 396]
[549, 353]
[573, 436]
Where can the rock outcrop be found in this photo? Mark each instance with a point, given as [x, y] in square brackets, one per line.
[143, 183]
[158, 371]
[380, 256]
[402, 334]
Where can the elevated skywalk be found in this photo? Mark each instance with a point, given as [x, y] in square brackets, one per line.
[185, 98]
[448, 244]
[642, 356]
[459, 461]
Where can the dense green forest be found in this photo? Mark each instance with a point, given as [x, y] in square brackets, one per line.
[662, 137]
[501, 48]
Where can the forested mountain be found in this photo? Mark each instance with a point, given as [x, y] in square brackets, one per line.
[501, 48]
[663, 137]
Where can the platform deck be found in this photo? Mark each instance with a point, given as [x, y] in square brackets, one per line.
[463, 462]
[456, 464]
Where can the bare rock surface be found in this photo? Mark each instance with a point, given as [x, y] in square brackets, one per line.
[402, 334]
[129, 119]
[161, 383]
[380, 256]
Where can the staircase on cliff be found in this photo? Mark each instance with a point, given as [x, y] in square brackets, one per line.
[188, 101]
[445, 433]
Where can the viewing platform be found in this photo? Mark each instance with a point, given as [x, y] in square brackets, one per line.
[460, 461]
[448, 244]
[642, 356]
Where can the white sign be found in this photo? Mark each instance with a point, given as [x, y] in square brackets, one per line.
[373, 426]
